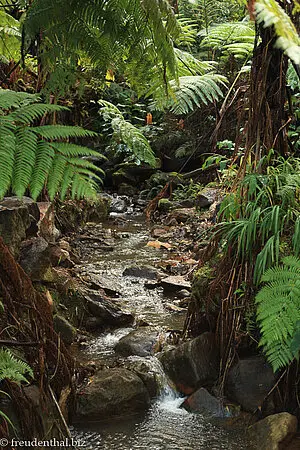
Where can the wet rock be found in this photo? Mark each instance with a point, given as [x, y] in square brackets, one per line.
[18, 220]
[202, 401]
[269, 433]
[35, 258]
[141, 272]
[64, 329]
[188, 203]
[143, 368]
[93, 324]
[110, 287]
[160, 232]
[140, 342]
[175, 283]
[193, 364]
[249, 381]
[175, 308]
[151, 284]
[207, 197]
[118, 205]
[112, 392]
[183, 293]
[72, 214]
[106, 311]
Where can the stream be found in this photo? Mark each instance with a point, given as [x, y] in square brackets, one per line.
[164, 426]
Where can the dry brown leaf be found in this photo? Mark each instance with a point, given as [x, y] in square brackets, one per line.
[158, 244]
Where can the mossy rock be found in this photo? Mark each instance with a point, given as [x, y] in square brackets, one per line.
[165, 205]
[200, 282]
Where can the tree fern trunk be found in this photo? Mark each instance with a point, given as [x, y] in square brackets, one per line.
[267, 121]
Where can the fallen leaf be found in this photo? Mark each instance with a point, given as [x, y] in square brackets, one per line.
[158, 244]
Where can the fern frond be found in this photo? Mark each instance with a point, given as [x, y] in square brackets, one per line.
[67, 149]
[56, 175]
[105, 31]
[271, 14]
[30, 157]
[189, 65]
[12, 368]
[231, 38]
[188, 31]
[7, 154]
[128, 134]
[53, 132]
[194, 90]
[29, 113]
[26, 143]
[43, 163]
[278, 312]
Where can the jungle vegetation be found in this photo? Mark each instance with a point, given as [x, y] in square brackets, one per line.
[77, 80]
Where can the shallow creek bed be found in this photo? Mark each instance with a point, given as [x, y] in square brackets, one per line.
[160, 422]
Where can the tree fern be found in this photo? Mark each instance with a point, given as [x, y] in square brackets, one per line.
[278, 312]
[271, 14]
[127, 133]
[12, 368]
[34, 156]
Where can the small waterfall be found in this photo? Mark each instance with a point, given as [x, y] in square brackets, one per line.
[168, 398]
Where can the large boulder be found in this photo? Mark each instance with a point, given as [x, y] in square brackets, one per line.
[269, 433]
[106, 312]
[193, 364]
[249, 381]
[35, 258]
[18, 221]
[140, 342]
[112, 392]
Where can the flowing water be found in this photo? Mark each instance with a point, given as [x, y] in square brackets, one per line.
[165, 426]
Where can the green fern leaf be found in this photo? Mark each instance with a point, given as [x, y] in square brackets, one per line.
[278, 312]
[12, 368]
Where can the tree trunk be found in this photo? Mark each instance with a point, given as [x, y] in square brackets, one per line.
[267, 120]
